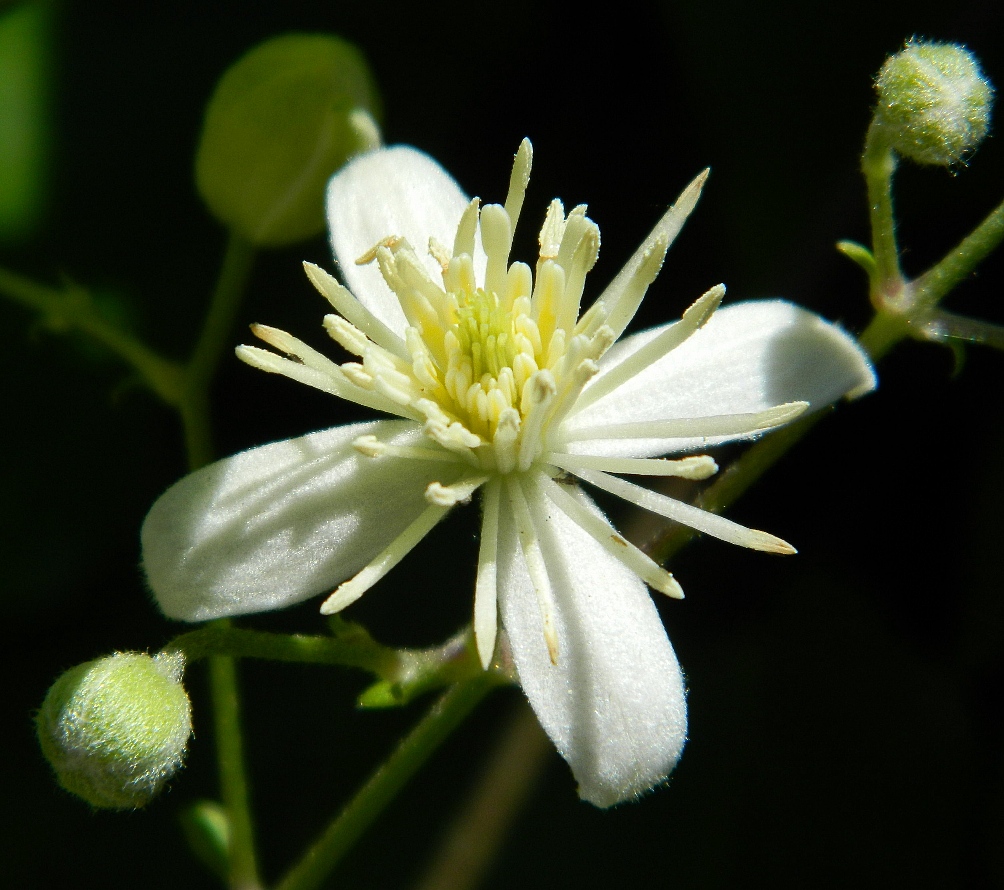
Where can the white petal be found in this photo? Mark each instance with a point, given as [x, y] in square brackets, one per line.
[396, 191]
[614, 703]
[748, 357]
[281, 523]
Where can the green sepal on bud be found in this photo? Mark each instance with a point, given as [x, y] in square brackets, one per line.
[283, 118]
[934, 102]
[115, 729]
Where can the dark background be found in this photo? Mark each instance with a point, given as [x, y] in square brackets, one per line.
[845, 729]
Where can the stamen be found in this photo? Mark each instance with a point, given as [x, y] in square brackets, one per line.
[439, 252]
[582, 261]
[519, 283]
[518, 180]
[622, 308]
[355, 587]
[453, 437]
[496, 237]
[389, 242]
[701, 520]
[538, 394]
[358, 375]
[551, 232]
[699, 467]
[416, 276]
[450, 495]
[662, 344]
[344, 302]
[546, 299]
[535, 565]
[694, 427]
[371, 446]
[573, 384]
[349, 337]
[598, 528]
[334, 382]
[504, 442]
[419, 297]
[290, 345]
[486, 586]
[576, 225]
[463, 242]
[666, 231]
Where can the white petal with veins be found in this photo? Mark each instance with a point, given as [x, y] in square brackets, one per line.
[747, 358]
[283, 522]
[614, 703]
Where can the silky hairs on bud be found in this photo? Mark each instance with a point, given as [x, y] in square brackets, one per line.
[933, 102]
[115, 729]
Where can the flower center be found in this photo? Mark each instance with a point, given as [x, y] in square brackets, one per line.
[493, 360]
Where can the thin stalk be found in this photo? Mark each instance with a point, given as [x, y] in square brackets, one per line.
[71, 308]
[233, 778]
[960, 262]
[371, 800]
[878, 163]
[238, 261]
[505, 785]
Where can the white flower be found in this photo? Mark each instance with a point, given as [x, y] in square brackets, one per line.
[501, 385]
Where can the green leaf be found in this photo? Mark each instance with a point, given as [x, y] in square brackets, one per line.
[25, 118]
[282, 120]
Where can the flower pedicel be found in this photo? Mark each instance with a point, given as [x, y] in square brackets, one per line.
[501, 383]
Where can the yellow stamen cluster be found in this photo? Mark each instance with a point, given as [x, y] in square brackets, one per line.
[492, 365]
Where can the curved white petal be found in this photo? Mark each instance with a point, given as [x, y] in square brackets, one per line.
[748, 357]
[281, 523]
[397, 191]
[614, 703]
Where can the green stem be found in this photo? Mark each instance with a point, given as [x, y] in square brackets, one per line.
[238, 261]
[507, 782]
[960, 262]
[878, 163]
[408, 671]
[193, 406]
[71, 308]
[411, 753]
[233, 781]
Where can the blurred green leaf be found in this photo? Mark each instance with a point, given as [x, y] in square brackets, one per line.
[282, 120]
[207, 831]
[25, 118]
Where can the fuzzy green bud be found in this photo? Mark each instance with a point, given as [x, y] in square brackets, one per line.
[283, 118]
[934, 102]
[115, 729]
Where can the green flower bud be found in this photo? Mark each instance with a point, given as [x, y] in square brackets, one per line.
[934, 102]
[282, 120]
[115, 729]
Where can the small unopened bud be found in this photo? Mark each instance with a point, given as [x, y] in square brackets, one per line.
[934, 102]
[115, 729]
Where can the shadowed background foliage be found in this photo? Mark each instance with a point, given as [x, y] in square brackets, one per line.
[843, 727]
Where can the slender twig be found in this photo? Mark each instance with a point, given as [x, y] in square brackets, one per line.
[238, 261]
[960, 262]
[371, 800]
[503, 788]
[233, 776]
[71, 308]
[194, 409]
[405, 672]
[878, 163]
